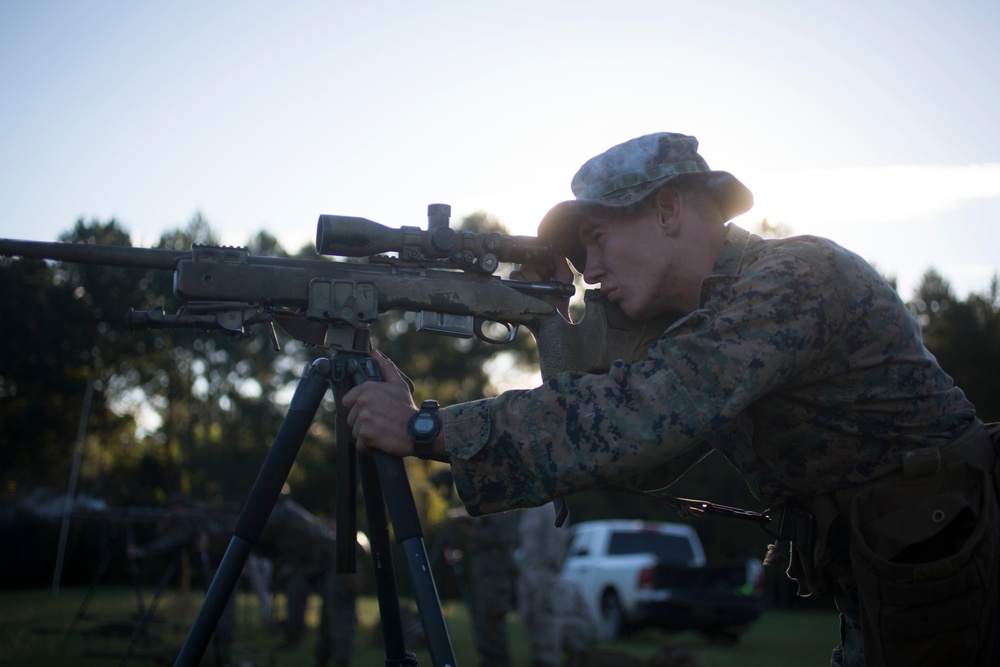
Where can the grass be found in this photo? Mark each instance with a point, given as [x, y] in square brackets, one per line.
[34, 626]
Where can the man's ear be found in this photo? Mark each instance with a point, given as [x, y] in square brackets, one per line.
[668, 206]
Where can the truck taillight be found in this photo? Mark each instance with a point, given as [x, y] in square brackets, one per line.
[647, 578]
[755, 577]
[758, 583]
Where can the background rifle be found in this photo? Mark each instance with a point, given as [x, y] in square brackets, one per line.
[220, 515]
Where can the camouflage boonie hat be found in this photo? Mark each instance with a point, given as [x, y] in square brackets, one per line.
[625, 175]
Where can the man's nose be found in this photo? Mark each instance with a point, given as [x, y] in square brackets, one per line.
[593, 271]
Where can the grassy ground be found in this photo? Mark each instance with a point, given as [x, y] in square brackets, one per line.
[34, 626]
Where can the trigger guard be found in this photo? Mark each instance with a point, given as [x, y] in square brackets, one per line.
[481, 335]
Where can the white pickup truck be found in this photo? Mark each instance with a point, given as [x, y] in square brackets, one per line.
[648, 574]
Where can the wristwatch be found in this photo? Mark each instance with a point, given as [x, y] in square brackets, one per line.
[424, 427]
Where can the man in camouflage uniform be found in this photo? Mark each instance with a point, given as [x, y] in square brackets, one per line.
[306, 550]
[541, 553]
[794, 359]
[492, 575]
[554, 614]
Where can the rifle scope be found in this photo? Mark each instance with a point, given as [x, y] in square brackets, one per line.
[349, 236]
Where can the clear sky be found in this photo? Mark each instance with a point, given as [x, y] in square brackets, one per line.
[876, 124]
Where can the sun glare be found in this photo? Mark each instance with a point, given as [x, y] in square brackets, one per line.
[817, 200]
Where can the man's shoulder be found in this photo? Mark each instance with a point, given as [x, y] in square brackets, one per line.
[816, 255]
[819, 270]
[806, 246]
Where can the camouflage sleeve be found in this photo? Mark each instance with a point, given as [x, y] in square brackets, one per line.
[752, 333]
[670, 471]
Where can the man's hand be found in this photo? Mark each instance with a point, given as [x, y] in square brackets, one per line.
[379, 411]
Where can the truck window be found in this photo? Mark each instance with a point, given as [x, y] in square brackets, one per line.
[667, 548]
[580, 545]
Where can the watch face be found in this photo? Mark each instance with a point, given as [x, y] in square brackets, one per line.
[423, 424]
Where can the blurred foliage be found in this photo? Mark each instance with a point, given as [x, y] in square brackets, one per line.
[965, 338]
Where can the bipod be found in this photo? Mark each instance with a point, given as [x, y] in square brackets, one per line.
[384, 484]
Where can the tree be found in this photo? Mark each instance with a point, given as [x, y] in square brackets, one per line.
[965, 338]
[57, 337]
[216, 398]
[174, 411]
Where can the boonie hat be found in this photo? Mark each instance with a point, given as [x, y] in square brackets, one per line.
[625, 175]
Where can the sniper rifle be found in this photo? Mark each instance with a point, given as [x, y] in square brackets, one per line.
[444, 275]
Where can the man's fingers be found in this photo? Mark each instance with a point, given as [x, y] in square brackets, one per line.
[385, 366]
[390, 372]
[563, 271]
[377, 412]
[559, 270]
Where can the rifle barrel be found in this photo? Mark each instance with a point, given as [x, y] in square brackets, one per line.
[88, 253]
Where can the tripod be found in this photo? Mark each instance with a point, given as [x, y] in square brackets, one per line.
[384, 485]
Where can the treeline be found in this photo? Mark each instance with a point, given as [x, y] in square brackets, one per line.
[182, 412]
[172, 412]
[179, 411]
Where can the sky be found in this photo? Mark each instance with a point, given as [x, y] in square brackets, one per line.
[871, 123]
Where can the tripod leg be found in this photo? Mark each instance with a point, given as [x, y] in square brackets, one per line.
[264, 494]
[385, 575]
[347, 481]
[409, 535]
[384, 476]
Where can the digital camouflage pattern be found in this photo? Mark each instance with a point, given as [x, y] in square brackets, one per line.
[801, 365]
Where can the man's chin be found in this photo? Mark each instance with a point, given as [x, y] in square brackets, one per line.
[637, 313]
[630, 312]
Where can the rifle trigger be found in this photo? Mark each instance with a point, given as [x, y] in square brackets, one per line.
[273, 335]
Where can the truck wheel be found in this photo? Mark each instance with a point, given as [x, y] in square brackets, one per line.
[612, 617]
